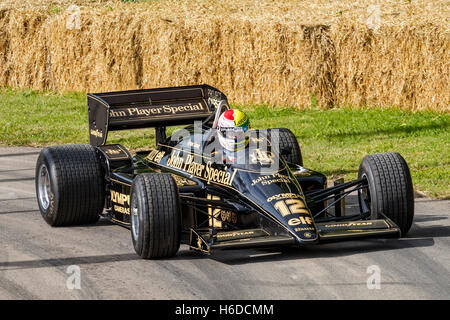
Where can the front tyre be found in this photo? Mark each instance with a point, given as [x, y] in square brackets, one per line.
[70, 186]
[155, 216]
[390, 189]
[287, 140]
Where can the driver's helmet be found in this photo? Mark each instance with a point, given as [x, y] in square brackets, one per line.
[232, 130]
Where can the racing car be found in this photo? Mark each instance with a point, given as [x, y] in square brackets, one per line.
[182, 190]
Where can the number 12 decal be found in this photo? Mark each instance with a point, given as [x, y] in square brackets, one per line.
[293, 207]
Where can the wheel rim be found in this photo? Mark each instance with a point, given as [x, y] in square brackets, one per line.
[135, 222]
[44, 187]
[364, 197]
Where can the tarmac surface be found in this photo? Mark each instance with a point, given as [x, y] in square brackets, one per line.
[41, 262]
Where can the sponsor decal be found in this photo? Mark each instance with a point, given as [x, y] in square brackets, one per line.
[51, 208]
[235, 234]
[263, 157]
[121, 209]
[113, 151]
[164, 110]
[180, 181]
[228, 216]
[269, 179]
[281, 196]
[300, 220]
[349, 224]
[196, 242]
[204, 171]
[218, 176]
[214, 98]
[304, 229]
[199, 242]
[290, 206]
[155, 155]
[96, 133]
[120, 198]
[122, 202]
[295, 210]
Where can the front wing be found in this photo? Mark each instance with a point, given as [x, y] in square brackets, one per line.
[205, 241]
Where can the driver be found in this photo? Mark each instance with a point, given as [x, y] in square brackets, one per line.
[232, 130]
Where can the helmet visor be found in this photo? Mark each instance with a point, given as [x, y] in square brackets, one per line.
[233, 139]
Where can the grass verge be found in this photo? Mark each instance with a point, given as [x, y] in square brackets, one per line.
[332, 141]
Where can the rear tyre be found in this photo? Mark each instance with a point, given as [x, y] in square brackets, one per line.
[70, 186]
[390, 189]
[287, 140]
[155, 215]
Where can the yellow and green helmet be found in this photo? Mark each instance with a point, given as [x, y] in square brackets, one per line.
[232, 129]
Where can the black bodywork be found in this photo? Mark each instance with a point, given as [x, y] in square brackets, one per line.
[224, 205]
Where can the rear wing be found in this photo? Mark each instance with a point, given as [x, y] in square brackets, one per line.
[149, 108]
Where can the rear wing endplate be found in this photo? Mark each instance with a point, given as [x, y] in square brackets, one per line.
[148, 108]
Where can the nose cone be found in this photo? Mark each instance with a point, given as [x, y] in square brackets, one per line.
[301, 226]
[294, 215]
[281, 198]
[307, 237]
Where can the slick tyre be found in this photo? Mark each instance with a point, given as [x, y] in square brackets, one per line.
[287, 140]
[70, 186]
[155, 216]
[390, 189]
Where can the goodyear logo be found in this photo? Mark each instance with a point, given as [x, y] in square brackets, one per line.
[350, 224]
[236, 234]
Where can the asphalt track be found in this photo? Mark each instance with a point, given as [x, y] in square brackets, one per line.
[35, 258]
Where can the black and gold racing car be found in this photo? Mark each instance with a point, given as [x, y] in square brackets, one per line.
[184, 190]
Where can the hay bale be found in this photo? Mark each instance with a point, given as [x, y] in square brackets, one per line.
[405, 66]
[277, 53]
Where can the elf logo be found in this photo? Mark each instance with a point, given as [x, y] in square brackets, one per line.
[300, 220]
